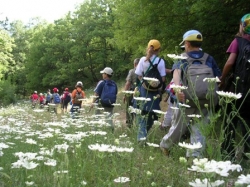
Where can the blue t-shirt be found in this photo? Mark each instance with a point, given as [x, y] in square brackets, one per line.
[99, 87]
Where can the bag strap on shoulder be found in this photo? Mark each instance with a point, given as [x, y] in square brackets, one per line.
[203, 59]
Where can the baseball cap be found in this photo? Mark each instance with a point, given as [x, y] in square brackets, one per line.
[192, 35]
[107, 70]
[155, 43]
[245, 20]
[79, 84]
[55, 90]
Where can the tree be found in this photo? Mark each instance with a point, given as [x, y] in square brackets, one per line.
[6, 58]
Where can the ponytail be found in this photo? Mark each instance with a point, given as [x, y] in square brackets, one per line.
[150, 52]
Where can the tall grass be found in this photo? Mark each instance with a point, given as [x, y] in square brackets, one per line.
[41, 148]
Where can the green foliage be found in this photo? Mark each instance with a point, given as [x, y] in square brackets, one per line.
[110, 33]
[6, 59]
[7, 93]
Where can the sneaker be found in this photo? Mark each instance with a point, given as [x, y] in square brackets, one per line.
[165, 151]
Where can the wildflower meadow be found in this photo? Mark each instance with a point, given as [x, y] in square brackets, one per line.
[41, 148]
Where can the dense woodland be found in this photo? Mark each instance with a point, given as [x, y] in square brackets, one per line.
[100, 33]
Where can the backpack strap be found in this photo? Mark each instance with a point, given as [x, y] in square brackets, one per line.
[202, 60]
[149, 67]
[152, 65]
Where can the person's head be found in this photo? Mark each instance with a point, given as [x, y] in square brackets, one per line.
[35, 92]
[41, 94]
[55, 90]
[107, 73]
[66, 89]
[153, 48]
[192, 40]
[136, 61]
[245, 24]
[79, 86]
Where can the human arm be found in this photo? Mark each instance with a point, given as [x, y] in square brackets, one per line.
[168, 71]
[126, 87]
[176, 79]
[227, 68]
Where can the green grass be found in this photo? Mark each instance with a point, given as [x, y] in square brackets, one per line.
[144, 166]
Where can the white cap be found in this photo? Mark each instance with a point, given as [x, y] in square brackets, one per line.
[107, 70]
[79, 84]
[35, 91]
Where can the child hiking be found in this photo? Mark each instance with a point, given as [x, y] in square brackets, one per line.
[106, 92]
[77, 96]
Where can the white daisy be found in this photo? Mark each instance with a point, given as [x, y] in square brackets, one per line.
[121, 180]
[190, 146]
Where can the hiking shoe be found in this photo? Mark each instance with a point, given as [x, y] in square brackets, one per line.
[165, 151]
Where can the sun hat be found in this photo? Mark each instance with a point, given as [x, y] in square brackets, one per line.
[192, 35]
[155, 43]
[245, 21]
[107, 70]
[66, 89]
[79, 84]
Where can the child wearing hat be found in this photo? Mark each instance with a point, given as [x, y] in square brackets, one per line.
[77, 96]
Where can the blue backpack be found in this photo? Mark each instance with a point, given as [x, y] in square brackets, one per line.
[109, 92]
[56, 98]
[48, 97]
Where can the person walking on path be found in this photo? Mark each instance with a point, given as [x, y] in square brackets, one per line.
[34, 99]
[153, 96]
[192, 40]
[77, 97]
[56, 100]
[66, 98]
[105, 95]
[236, 64]
[48, 97]
[131, 83]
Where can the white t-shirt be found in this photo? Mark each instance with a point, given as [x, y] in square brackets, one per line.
[143, 66]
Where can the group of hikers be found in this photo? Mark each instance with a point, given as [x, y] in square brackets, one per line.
[145, 84]
[188, 74]
[53, 100]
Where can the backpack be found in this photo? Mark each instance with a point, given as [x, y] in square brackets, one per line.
[109, 92]
[67, 97]
[79, 95]
[48, 97]
[193, 76]
[56, 98]
[242, 68]
[153, 72]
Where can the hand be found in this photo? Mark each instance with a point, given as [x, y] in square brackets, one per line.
[166, 99]
[92, 105]
[221, 84]
[181, 97]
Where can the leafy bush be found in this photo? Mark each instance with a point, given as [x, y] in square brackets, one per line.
[7, 93]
